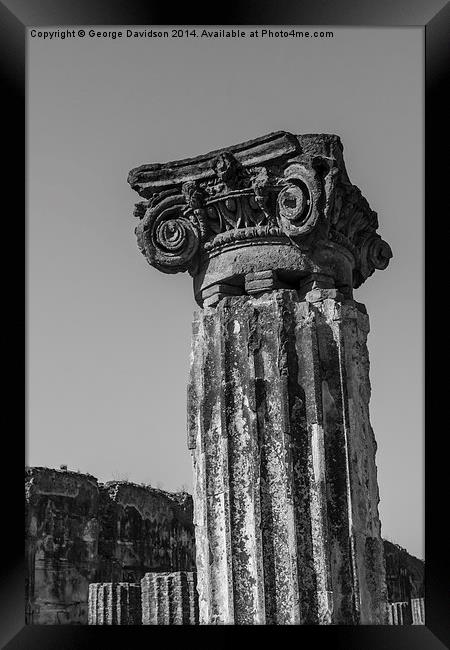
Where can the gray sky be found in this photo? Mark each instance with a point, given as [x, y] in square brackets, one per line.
[108, 336]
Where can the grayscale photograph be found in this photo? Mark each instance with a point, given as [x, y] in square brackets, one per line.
[225, 296]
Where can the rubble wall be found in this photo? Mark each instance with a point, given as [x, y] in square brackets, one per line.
[61, 544]
[79, 531]
[404, 574]
[143, 530]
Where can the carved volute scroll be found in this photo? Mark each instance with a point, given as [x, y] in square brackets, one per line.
[279, 211]
[167, 235]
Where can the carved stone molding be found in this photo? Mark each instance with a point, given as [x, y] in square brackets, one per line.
[281, 203]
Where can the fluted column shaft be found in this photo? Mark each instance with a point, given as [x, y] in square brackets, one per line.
[114, 603]
[285, 495]
[169, 599]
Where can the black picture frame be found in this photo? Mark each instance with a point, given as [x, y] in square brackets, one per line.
[15, 18]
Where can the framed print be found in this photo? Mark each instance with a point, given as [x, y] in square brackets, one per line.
[276, 174]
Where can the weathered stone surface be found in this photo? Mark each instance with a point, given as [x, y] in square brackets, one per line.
[143, 529]
[400, 613]
[115, 603]
[61, 544]
[418, 611]
[407, 612]
[169, 598]
[402, 568]
[285, 497]
[79, 532]
[281, 203]
[404, 574]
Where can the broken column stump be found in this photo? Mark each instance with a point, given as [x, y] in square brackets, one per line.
[169, 598]
[114, 603]
[276, 239]
[418, 611]
[287, 527]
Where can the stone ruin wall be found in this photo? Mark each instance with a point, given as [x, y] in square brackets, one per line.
[79, 531]
[143, 530]
[405, 574]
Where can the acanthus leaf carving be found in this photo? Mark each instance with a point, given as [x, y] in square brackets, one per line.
[228, 171]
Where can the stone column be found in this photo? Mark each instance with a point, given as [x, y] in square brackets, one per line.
[169, 598]
[418, 611]
[114, 603]
[286, 497]
[286, 515]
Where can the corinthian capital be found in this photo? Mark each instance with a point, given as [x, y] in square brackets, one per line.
[277, 211]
